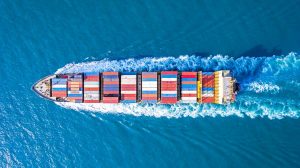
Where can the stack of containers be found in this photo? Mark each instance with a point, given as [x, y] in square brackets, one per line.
[111, 91]
[189, 87]
[75, 88]
[199, 87]
[91, 87]
[128, 87]
[169, 87]
[59, 87]
[149, 87]
[219, 90]
[208, 87]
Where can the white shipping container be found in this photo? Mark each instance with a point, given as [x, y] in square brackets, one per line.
[168, 79]
[74, 92]
[91, 98]
[59, 86]
[128, 76]
[128, 82]
[208, 95]
[91, 92]
[91, 86]
[189, 92]
[168, 92]
[91, 83]
[91, 95]
[189, 98]
[74, 83]
[188, 101]
[149, 89]
[128, 92]
[149, 85]
[128, 79]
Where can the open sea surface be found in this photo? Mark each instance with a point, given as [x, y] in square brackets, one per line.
[259, 41]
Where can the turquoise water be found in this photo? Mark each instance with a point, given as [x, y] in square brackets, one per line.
[257, 40]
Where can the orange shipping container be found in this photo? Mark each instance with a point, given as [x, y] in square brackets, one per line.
[110, 73]
[149, 76]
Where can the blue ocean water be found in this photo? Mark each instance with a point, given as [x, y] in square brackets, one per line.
[257, 40]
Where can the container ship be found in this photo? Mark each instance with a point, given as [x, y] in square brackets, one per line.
[165, 87]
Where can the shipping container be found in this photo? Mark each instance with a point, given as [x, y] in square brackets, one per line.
[169, 87]
[111, 87]
[128, 87]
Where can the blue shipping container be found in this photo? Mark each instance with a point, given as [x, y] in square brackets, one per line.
[208, 89]
[149, 92]
[128, 73]
[168, 95]
[188, 89]
[59, 89]
[111, 89]
[168, 76]
[149, 79]
[128, 101]
[111, 85]
[91, 73]
[149, 101]
[75, 95]
[189, 79]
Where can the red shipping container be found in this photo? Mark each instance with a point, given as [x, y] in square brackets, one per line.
[168, 82]
[169, 86]
[189, 95]
[91, 80]
[149, 95]
[91, 101]
[129, 98]
[110, 98]
[188, 73]
[74, 98]
[149, 98]
[110, 92]
[59, 95]
[208, 99]
[91, 77]
[110, 73]
[169, 99]
[111, 101]
[169, 72]
[128, 85]
[128, 95]
[149, 76]
[188, 76]
[110, 82]
[128, 89]
[189, 82]
[91, 89]
[168, 89]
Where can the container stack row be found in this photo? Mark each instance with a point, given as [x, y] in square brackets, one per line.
[75, 88]
[169, 87]
[189, 87]
[199, 87]
[208, 87]
[91, 87]
[149, 87]
[59, 87]
[128, 88]
[111, 87]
